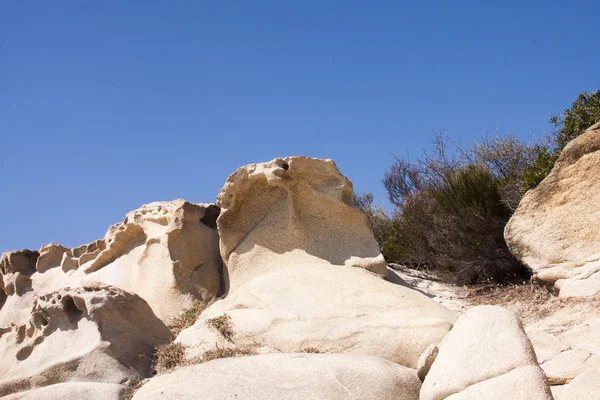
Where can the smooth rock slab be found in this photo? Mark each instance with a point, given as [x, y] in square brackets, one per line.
[335, 309]
[287, 377]
[486, 343]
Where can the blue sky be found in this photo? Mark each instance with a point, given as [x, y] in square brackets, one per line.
[107, 105]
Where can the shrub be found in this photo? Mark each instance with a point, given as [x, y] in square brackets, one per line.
[584, 112]
[186, 318]
[169, 356]
[452, 206]
[226, 353]
[222, 324]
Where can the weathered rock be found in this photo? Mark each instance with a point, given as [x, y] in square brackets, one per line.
[485, 352]
[334, 309]
[73, 390]
[95, 333]
[166, 252]
[287, 377]
[51, 256]
[586, 386]
[291, 211]
[555, 231]
[16, 268]
[564, 367]
[426, 361]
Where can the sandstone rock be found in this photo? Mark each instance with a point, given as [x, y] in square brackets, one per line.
[546, 345]
[166, 252]
[555, 231]
[426, 361]
[287, 377]
[585, 386]
[73, 390]
[564, 367]
[485, 352]
[95, 333]
[291, 211]
[334, 309]
[51, 256]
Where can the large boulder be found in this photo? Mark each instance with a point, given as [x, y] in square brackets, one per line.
[327, 308]
[166, 252]
[95, 333]
[287, 377]
[554, 231]
[291, 211]
[486, 355]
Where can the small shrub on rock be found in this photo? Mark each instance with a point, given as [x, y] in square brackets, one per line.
[169, 356]
[222, 324]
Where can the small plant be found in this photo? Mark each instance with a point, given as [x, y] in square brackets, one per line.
[312, 350]
[226, 353]
[222, 324]
[169, 356]
[187, 318]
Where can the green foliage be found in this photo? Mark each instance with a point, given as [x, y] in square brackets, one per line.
[584, 112]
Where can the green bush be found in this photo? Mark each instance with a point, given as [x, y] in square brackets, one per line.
[584, 112]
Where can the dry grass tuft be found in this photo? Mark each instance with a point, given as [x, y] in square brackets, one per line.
[187, 318]
[169, 356]
[226, 353]
[132, 389]
[222, 325]
[313, 350]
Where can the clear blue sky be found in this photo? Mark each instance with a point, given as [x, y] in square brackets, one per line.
[107, 105]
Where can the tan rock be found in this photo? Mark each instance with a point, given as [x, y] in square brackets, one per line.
[586, 386]
[426, 361]
[564, 367]
[545, 344]
[95, 333]
[334, 309]
[555, 231]
[287, 377]
[291, 211]
[73, 390]
[487, 342]
[51, 256]
[166, 252]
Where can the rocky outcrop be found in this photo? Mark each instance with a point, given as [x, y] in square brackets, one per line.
[334, 309]
[94, 333]
[486, 355]
[554, 231]
[292, 211]
[166, 252]
[287, 376]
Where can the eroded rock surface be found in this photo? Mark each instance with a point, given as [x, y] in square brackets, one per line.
[334, 309]
[555, 231]
[292, 211]
[486, 355]
[95, 333]
[287, 377]
[166, 252]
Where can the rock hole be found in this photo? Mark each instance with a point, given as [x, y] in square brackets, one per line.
[43, 321]
[71, 310]
[285, 166]
[210, 216]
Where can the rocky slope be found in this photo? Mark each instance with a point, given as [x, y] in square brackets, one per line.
[299, 305]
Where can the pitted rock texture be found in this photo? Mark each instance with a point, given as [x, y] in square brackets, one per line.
[287, 377]
[554, 231]
[291, 211]
[486, 355]
[334, 309]
[94, 333]
[166, 252]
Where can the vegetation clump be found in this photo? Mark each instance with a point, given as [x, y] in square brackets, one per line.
[452, 203]
[169, 356]
[222, 324]
[219, 352]
[187, 318]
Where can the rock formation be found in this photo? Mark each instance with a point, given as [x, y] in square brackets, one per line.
[95, 333]
[287, 376]
[166, 252]
[334, 309]
[555, 231]
[292, 211]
